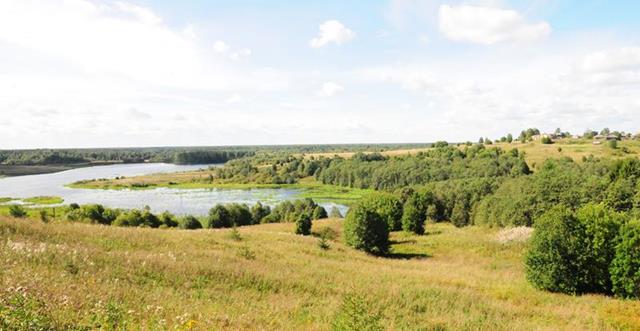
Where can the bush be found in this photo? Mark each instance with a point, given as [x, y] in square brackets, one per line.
[356, 313]
[167, 219]
[388, 206]
[602, 226]
[239, 214]
[558, 256]
[219, 217]
[365, 230]
[190, 223]
[258, 212]
[460, 213]
[625, 268]
[413, 215]
[303, 225]
[319, 213]
[546, 140]
[17, 211]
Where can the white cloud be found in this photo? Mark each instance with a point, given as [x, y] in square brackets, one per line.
[241, 54]
[332, 32]
[330, 89]
[485, 25]
[609, 67]
[234, 98]
[220, 46]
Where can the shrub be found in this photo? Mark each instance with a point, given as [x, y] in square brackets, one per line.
[219, 217]
[303, 225]
[365, 230]
[460, 213]
[558, 256]
[319, 213]
[190, 223]
[17, 211]
[44, 216]
[356, 313]
[93, 212]
[388, 206]
[167, 219]
[625, 268]
[546, 140]
[258, 212]
[613, 144]
[234, 234]
[413, 215]
[239, 214]
[335, 212]
[602, 226]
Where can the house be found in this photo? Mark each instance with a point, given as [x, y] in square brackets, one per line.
[606, 137]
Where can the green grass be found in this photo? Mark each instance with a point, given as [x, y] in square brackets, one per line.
[308, 188]
[133, 278]
[44, 200]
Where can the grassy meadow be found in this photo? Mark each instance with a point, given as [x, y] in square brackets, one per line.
[74, 275]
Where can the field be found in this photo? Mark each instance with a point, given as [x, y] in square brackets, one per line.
[62, 274]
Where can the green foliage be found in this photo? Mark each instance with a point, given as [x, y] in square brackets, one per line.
[167, 219]
[613, 144]
[258, 212]
[546, 140]
[17, 211]
[21, 311]
[234, 234]
[219, 217]
[460, 213]
[365, 230]
[357, 314]
[388, 206]
[190, 223]
[625, 268]
[319, 213]
[413, 216]
[572, 253]
[602, 226]
[303, 225]
[239, 214]
[557, 259]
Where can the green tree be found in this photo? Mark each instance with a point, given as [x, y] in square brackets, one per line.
[258, 212]
[365, 230]
[219, 217]
[17, 211]
[388, 206]
[625, 267]
[303, 225]
[319, 213]
[509, 138]
[190, 223]
[413, 215]
[558, 256]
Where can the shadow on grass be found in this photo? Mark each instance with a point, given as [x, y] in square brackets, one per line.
[406, 256]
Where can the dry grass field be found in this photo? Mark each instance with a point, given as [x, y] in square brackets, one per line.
[79, 276]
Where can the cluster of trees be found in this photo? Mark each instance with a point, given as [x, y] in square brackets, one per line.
[181, 155]
[220, 216]
[205, 157]
[520, 201]
[591, 250]
[439, 164]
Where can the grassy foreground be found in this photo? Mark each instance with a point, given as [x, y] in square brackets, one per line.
[71, 274]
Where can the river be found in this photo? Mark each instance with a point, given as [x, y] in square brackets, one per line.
[177, 201]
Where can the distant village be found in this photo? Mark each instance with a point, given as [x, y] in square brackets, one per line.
[534, 134]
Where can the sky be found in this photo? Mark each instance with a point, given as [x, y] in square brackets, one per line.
[102, 73]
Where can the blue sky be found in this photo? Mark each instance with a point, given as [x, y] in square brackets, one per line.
[86, 73]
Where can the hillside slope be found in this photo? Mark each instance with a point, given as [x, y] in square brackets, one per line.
[64, 274]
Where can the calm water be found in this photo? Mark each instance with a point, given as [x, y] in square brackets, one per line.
[178, 201]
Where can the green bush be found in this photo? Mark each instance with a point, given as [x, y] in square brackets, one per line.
[239, 214]
[190, 223]
[303, 225]
[625, 268]
[602, 226]
[388, 206]
[167, 219]
[258, 212]
[558, 257]
[413, 215]
[219, 217]
[365, 230]
[319, 213]
[17, 211]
